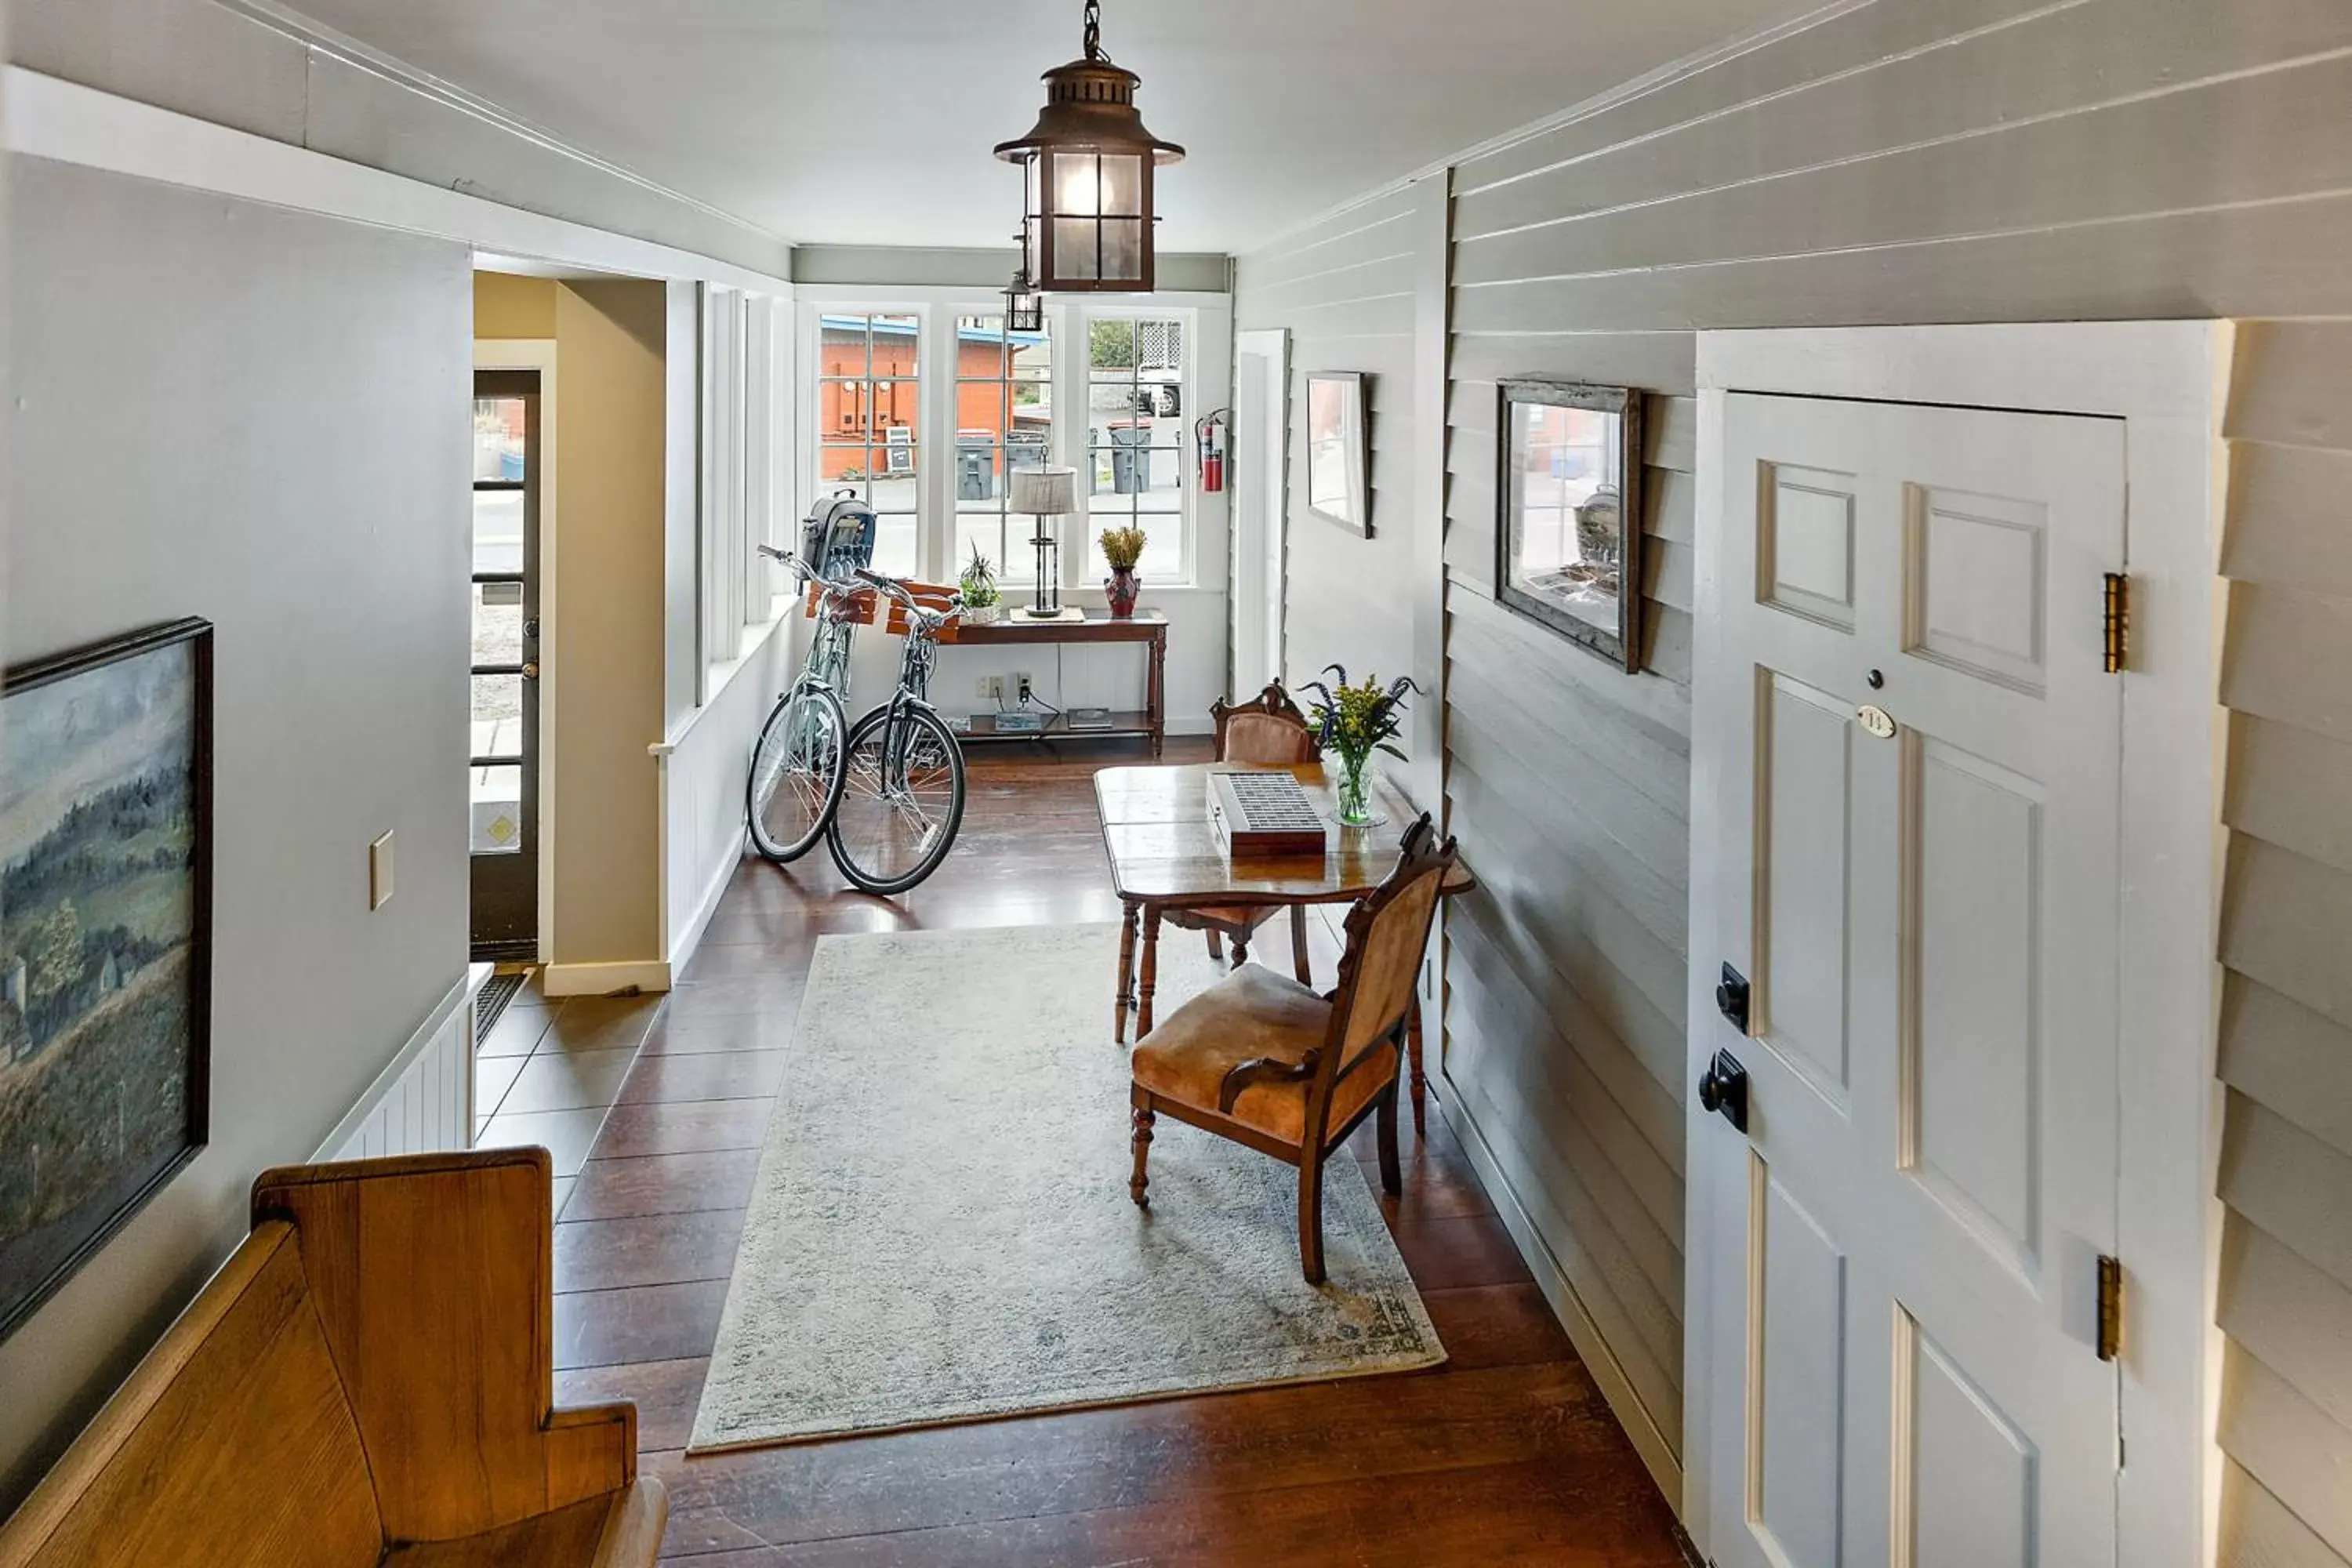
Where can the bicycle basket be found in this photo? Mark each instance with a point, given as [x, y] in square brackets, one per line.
[838, 535]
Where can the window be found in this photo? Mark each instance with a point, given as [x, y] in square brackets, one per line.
[1133, 470]
[869, 406]
[1103, 388]
[740, 452]
[1004, 411]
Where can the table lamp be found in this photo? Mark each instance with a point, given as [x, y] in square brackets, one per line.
[1044, 493]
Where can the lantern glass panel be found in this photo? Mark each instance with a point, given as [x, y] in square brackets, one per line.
[1074, 256]
[1123, 187]
[1122, 247]
[1077, 184]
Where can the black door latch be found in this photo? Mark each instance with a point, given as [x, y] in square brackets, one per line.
[1731, 996]
[1723, 1089]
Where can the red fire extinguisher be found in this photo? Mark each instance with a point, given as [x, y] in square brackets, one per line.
[1210, 433]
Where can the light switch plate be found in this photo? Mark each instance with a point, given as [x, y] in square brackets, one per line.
[380, 871]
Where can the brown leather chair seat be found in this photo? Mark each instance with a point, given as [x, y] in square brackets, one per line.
[1252, 1012]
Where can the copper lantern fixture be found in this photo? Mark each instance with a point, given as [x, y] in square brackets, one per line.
[1086, 224]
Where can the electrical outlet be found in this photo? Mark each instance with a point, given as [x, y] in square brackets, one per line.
[1020, 682]
[993, 685]
[380, 871]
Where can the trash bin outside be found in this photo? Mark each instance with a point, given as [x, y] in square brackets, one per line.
[1024, 450]
[975, 466]
[1130, 459]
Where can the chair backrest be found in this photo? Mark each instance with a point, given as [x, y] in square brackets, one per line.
[1268, 728]
[1388, 931]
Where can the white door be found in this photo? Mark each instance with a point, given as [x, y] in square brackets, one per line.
[1928, 913]
[1258, 464]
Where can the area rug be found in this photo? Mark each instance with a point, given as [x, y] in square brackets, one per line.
[940, 1230]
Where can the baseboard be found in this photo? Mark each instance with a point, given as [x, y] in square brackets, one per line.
[603, 979]
[722, 876]
[1657, 1454]
[460, 994]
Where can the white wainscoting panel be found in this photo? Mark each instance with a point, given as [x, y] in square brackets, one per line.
[423, 1101]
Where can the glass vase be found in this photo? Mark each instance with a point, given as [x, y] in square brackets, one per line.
[1355, 794]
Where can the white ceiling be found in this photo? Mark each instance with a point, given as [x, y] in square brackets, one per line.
[869, 121]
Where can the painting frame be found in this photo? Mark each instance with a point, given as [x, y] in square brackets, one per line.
[1346, 500]
[1620, 643]
[19, 680]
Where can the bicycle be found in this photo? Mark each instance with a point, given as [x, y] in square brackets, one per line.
[801, 761]
[902, 796]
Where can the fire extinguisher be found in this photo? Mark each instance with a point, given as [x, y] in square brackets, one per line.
[1210, 433]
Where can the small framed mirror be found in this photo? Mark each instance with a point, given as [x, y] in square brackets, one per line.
[1336, 488]
[1569, 549]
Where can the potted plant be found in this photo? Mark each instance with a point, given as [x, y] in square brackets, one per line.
[979, 585]
[1122, 547]
[1354, 722]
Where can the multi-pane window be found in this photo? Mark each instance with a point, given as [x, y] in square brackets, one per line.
[1004, 417]
[1133, 471]
[870, 405]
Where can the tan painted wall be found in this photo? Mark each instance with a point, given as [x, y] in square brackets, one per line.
[1908, 161]
[604, 650]
[607, 655]
[506, 306]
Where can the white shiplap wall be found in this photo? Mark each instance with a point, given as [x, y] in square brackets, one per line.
[1907, 161]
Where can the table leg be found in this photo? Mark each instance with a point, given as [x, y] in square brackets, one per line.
[1155, 693]
[1127, 919]
[1412, 1058]
[1150, 970]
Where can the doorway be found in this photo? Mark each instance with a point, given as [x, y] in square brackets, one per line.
[1261, 457]
[502, 770]
[1951, 981]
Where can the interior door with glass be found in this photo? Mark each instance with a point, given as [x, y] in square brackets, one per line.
[502, 773]
[1915, 786]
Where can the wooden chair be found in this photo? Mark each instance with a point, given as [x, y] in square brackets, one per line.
[1269, 730]
[369, 1378]
[1265, 1061]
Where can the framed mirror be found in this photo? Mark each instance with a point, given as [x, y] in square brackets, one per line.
[1336, 487]
[1569, 548]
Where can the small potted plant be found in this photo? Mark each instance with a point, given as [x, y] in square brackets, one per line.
[1122, 547]
[1354, 722]
[979, 585]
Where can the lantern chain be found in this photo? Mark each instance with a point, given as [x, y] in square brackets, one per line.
[1094, 31]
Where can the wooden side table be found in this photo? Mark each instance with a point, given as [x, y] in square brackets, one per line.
[1149, 627]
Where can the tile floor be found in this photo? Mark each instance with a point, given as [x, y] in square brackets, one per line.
[550, 1069]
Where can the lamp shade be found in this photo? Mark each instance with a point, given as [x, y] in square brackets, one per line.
[1045, 492]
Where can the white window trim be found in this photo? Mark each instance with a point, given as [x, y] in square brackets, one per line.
[1208, 318]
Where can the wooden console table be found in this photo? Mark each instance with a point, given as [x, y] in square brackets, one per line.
[1147, 627]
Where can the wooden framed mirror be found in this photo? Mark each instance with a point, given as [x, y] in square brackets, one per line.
[1568, 546]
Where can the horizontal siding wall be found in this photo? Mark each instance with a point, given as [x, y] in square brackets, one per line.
[1910, 161]
[1344, 292]
[2286, 939]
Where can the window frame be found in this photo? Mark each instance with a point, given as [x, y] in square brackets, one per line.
[1204, 383]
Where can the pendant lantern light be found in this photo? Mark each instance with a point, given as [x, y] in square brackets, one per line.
[1025, 308]
[1087, 221]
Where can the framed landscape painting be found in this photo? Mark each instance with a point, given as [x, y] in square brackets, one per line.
[105, 950]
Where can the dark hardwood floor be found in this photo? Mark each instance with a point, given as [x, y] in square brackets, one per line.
[1506, 1455]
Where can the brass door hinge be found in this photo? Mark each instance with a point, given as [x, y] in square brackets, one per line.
[2117, 629]
[2110, 1309]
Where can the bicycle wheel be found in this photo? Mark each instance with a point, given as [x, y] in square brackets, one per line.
[796, 773]
[901, 800]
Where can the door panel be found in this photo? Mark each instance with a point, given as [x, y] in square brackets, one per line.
[1929, 917]
[1799, 1405]
[1806, 804]
[503, 766]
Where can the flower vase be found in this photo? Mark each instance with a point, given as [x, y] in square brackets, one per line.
[1122, 587]
[1355, 796]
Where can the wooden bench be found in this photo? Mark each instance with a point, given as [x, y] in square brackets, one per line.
[368, 1380]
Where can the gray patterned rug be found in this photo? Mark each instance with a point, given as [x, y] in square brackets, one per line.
[940, 1230]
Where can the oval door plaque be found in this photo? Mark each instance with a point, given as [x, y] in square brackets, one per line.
[1877, 721]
